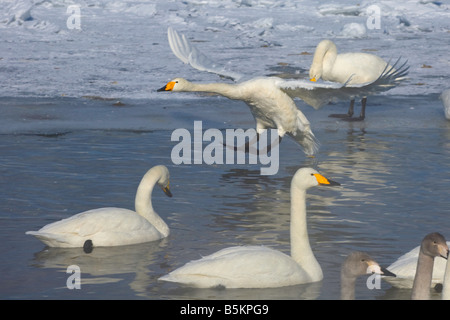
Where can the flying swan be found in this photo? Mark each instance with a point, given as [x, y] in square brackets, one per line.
[112, 226]
[270, 98]
[351, 68]
[259, 266]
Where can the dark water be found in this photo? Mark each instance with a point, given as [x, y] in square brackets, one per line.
[63, 156]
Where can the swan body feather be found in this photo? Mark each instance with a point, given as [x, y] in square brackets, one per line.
[112, 226]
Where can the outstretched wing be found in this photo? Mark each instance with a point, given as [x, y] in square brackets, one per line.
[189, 54]
[318, 94]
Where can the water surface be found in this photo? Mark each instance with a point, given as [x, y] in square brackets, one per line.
[63, 156]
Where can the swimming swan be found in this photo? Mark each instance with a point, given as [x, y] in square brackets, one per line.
[358, 264]
[352, 68]
[259, 266]
[405, 269]
[433, 245]
[445, 98]
[269, 98]
[112, 226]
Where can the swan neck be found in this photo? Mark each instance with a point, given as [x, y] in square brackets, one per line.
[423, 277]
[301, 251]
[325, 56]
[143, 203]
[224, 89]
[347, 287]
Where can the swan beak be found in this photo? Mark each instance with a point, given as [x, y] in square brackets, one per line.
[377, 269]
[387, 273]
[324, 181]
[313, 79]
[167, 191]
[443, 251]
[168, 87]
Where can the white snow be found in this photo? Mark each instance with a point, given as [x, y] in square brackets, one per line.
[120, 48]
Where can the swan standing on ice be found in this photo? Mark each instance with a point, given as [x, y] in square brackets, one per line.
[433, 245]
[351, 68]
[445, 97]
[269, 98]
[112, 226]
[358, 264]
[258, 266]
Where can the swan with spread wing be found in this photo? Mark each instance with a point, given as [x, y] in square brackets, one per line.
[271, 98]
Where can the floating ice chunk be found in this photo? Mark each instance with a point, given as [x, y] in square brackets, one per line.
[19, 12]
[354, 30]
[333, 9]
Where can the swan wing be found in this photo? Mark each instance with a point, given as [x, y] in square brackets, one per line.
[240, 267]
[189, 54]
[304, 135]
[318, 94]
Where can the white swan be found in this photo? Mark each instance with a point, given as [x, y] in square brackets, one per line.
[405, 269]
[269, 98]
[433, 245]
[358, 264]
[112, 226]
[258, 266]
[352, 68]
[446, 285]
[445, 98]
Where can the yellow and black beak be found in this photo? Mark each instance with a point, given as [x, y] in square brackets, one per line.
[324, 181]
[166, 190]
[168, 87]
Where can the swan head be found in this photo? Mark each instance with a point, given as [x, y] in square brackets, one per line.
[163, 181]
[316, 69]
[306, 178]
[360, 263]
[434, 245]
[315, 72]
[177, 84]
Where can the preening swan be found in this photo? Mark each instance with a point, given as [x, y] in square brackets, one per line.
[113, 226]
[269, 98]
[259, 266]
[351, 68]
[405, 269]
[433, 245]
[358, 264]
[445, 97]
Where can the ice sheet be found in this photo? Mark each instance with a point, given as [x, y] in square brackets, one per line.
[119, 49]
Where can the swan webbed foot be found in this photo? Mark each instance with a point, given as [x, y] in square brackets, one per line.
[340, 115]
[349, 115]
[360, 118]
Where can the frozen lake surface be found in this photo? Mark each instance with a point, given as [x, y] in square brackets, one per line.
[81, 122]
